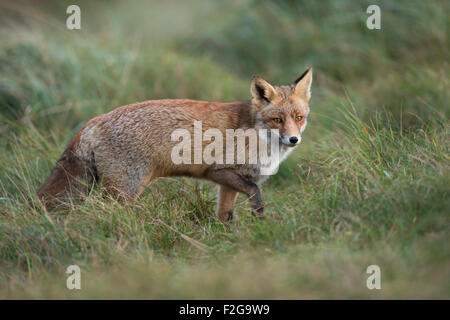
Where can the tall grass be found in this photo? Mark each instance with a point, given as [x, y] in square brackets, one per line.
[368, 185]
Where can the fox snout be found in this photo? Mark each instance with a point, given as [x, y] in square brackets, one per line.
[291, 141]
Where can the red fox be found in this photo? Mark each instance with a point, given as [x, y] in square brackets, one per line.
[131, 146]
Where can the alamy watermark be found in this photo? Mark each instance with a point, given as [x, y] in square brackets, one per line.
[74, 279]
[74, 20]
[373, 22]
[374, 19]
[259, 147]
[374, 280]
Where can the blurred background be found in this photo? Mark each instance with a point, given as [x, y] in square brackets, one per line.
[141, 50]
[370, 179]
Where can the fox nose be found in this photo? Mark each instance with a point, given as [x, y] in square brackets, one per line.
[293, 139]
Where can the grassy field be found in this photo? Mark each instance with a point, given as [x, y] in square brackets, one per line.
[369, 184]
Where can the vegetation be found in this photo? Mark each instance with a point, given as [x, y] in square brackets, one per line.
[369, 184]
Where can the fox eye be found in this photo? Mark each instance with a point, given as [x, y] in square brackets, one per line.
[277, 120]
[299, 118]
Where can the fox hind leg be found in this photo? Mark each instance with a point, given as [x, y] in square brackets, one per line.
[125, 187]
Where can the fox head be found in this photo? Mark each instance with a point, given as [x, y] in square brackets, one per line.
[284, 108]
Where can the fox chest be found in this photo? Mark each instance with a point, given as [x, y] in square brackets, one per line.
[267, 166]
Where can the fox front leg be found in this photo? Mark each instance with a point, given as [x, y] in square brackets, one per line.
[225, 203]
[233, 181]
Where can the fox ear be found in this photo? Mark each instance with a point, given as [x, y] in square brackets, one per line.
[262, 91]
[303, 85]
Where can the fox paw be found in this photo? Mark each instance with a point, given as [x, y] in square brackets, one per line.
[226, 216]
[259, 214]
